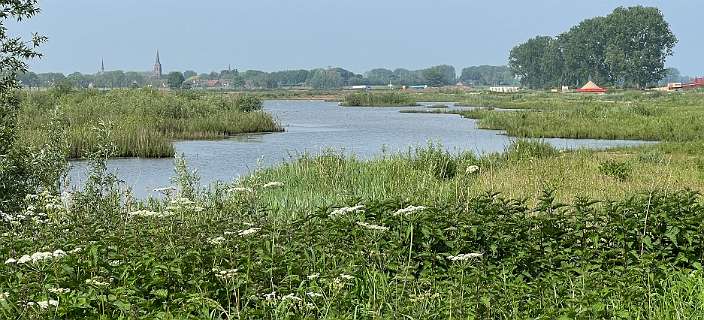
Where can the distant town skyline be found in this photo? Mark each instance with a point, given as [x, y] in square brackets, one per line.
[359, 35]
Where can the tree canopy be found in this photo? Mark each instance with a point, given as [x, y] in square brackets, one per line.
[627, 48]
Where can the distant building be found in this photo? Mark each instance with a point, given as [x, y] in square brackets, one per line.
[102, 66]
[504, 89]
[157, 72]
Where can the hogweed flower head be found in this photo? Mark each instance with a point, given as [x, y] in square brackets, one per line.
[59, 290]
[46, 304]
[240, 190]
[274, 184]
[465, 257]
[291, 296]
[249, 231]
[149, 214]
[472, 169]
[409, 210]
[4, 296]
[346, 210]
[372, 226]
[216, 240]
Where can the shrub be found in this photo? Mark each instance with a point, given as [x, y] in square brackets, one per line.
[369, 99]
[248, 102]
[620, 170]
[436, 160]
[526, 149]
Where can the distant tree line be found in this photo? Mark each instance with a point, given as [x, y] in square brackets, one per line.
[323, 78]
[627, 48]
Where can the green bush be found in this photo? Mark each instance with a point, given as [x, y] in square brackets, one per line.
[247, 103]
[620, 170]
[526, 149]
[436, 160]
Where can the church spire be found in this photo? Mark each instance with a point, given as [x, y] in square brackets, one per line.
[157, 72]
[102, 65]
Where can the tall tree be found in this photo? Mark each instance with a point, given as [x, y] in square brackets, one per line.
[584, 53]
[538, 62]
[175, 80]
[15, 171]
[640, 40]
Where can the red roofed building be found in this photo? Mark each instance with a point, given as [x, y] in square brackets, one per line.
[591, 87]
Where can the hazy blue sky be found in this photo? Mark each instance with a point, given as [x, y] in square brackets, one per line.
[358, 35]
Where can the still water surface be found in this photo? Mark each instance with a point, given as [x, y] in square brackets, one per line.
[315, 126]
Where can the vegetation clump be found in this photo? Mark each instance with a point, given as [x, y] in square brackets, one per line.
[386, 99]
[144, 122]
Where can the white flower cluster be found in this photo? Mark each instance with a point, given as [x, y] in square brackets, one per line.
[313, 294]
[249, 231]
[291, 297]
[346, 276]
[274, 184]
[4, 296]
[372, 226]
[240, 190]
[225, 274]
[59, 290]
[44, 304]
[472, 169]
[29, 214]
[182, 203]
[270, 296]
[346, 210]
[97, 282]
[150, 214]
[409, 210]
[216, 240]
[314, 276]
[465, 257]
[36, 257]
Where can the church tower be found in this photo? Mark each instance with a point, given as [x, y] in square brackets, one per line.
[102, 66]
[157, 67]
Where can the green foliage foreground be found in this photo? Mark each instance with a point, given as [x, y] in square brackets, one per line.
[222, 254]
[144, 122]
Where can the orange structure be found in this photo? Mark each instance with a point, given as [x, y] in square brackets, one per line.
[591, 87]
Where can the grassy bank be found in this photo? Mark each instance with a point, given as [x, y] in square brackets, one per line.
[420, 235]
[143, 122]
[375, 99]
[668, 117]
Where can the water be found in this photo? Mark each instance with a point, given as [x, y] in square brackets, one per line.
[315, 126]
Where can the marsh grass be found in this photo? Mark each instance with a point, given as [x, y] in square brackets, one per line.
[663, 117]
[143, 122]
[376, 99]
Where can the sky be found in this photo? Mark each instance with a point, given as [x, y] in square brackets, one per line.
[359, 35]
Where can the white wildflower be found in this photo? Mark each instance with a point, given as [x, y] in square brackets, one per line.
[314, 294]
[314, 276]
[166, 190]
[249, 231]
[291, 296]
[58, 253]
[59, 290]
[274, 184]
[346, 276]
[149, 214]
[216, 240]
[346, 210]
[270, 296]
[408, 210]
[115, 263]
[77, 250]
[472, 169]
[466, 256]
[182, 201]
[24, 259]
[97, 282]
[4, 296]
[10, 261]
[39, 256]
[46, 304]
[240, 190]
[225, 274]
[372, 226]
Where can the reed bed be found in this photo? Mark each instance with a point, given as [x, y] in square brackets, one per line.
[379, 99]
[143, 122]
